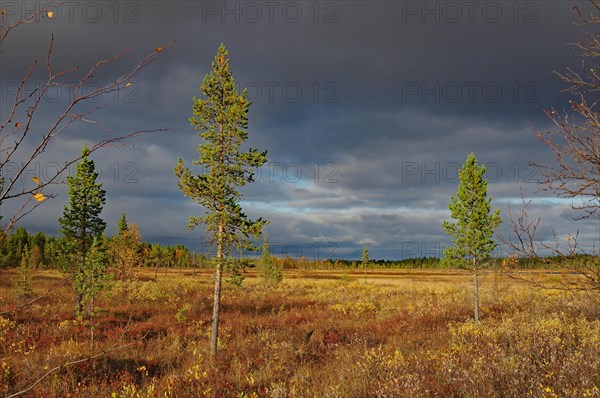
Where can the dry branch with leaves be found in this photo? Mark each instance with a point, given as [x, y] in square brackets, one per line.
[23, 135]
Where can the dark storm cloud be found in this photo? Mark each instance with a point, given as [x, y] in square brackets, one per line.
[366, 108]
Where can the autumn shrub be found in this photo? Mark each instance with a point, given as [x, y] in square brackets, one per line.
[142, 291]
[401, 336]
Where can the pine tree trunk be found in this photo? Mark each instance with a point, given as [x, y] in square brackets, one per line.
[214, 337]
[92, 326]
[79, 303]
[475, 291]
[80, 295]
[80, 271]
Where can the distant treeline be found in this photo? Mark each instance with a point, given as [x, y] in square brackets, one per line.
[437, 263]
[44, 251]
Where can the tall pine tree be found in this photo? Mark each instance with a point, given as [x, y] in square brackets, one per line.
[221, 119]
[81, 221]
[475, 223]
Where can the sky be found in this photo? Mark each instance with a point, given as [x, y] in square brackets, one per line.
[367, 110]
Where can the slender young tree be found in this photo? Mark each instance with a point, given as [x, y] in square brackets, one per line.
[221, 119]
[93, 280]
[365, 260]
[81, 221]
[270, 272]
[475, 223]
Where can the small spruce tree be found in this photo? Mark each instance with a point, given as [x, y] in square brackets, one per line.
[122, 226]
[81, 222]
[22, 283]
[92, 281]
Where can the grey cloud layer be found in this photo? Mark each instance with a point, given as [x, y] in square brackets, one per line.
[381, 105]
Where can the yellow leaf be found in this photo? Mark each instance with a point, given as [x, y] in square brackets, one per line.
[39, 197]
[17, 124]
[127, 84]
[50, 14]
[158, 49]
[36, 180]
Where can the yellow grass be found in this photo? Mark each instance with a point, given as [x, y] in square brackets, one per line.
[320, 334]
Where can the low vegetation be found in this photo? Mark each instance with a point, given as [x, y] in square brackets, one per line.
[315, 334]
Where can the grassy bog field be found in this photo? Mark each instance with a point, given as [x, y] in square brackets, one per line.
[319, 334]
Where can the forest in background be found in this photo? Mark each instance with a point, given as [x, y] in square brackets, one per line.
[43, 252]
